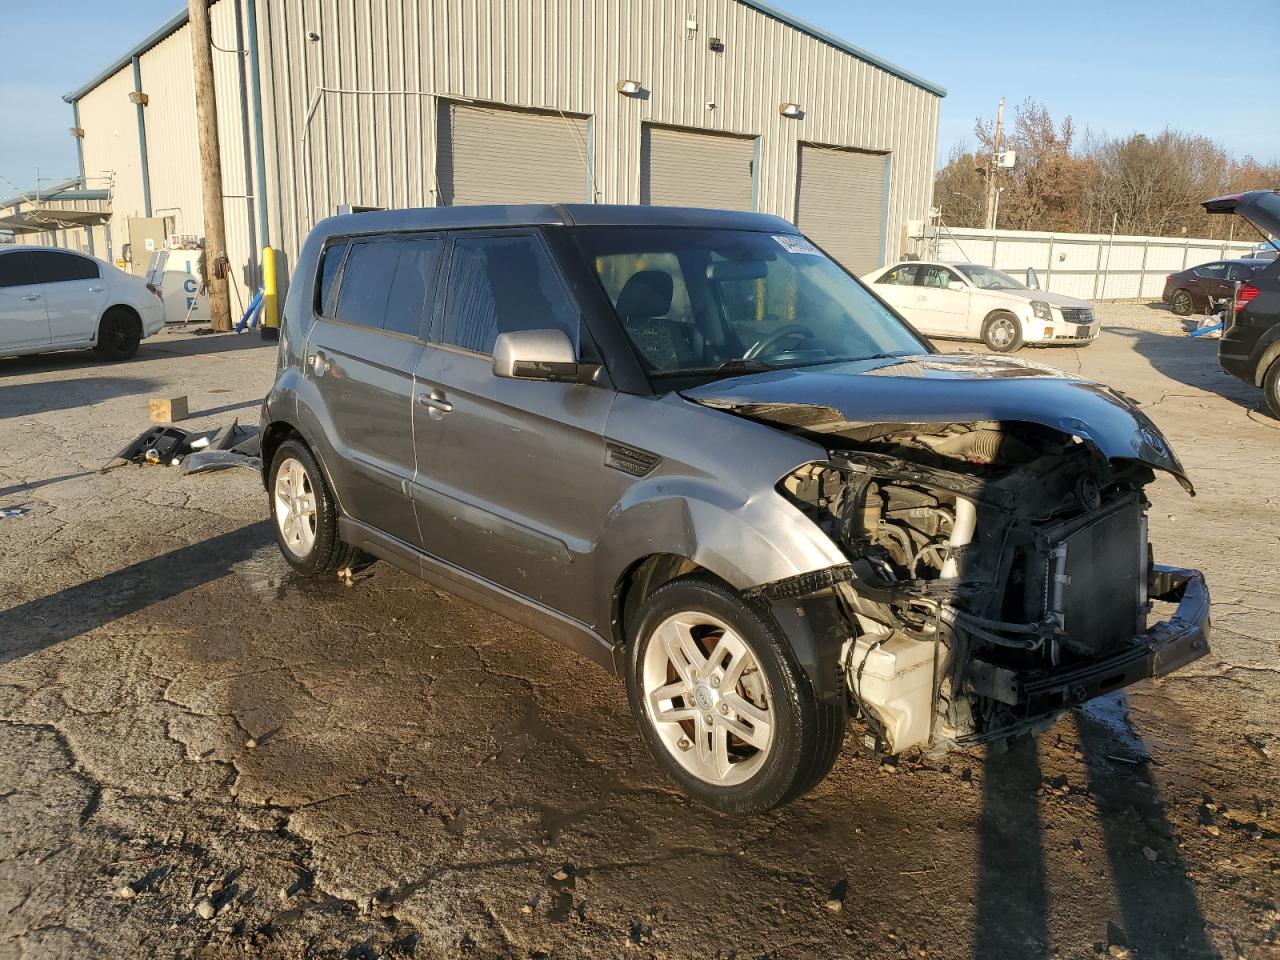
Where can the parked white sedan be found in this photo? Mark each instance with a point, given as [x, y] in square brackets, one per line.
[54, 299]
[966, 301]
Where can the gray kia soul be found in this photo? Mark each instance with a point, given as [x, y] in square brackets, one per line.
[692, 447]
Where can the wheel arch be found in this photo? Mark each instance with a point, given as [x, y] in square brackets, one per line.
[120, 309]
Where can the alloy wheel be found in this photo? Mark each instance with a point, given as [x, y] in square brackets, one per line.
[707, 698]
[295, 507]
[1002, 332]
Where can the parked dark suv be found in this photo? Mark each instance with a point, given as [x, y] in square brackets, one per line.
[1199, 287]
[696, 450]
[1250, 345]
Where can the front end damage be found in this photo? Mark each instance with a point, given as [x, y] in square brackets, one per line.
[998, 573]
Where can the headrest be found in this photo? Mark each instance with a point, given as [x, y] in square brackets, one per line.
[646, 294]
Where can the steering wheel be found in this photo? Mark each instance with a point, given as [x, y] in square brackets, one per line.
[765, 346]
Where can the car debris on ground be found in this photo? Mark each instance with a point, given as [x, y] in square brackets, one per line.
[195, 451]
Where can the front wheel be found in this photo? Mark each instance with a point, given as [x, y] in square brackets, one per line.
[304, 513]
[1271, 388]
[1002, 333]
[119, 333]
[721, 703]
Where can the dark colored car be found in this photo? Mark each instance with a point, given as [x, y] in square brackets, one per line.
[1250, 345]
[1198, 288]
[693, 448]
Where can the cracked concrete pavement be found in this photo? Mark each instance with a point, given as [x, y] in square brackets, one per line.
[202, 756]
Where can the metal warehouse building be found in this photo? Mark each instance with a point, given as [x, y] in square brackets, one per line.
[399, 103]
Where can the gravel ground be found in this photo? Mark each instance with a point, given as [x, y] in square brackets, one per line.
[201, 756]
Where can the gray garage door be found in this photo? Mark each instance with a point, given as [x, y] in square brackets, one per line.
[689, 168]
[840, 204]
[489, 155]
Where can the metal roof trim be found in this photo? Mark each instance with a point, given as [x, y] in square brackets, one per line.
[170, 27]
[830, 38]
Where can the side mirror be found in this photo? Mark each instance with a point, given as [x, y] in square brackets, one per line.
[956, 285]
[540, 355]
[1033, 281]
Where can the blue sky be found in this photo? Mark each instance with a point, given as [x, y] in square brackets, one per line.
[1117, 66]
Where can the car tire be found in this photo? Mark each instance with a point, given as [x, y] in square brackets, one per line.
[303, 513]
[119, 333]
[1182, 303]
[693, 633]
[1002, 332]
[1271, 388]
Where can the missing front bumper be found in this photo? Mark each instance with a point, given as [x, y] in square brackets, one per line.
[1157, 651]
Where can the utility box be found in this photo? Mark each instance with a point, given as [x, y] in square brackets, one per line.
[176, 274]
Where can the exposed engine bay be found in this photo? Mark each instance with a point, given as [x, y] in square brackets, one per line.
[999, 573]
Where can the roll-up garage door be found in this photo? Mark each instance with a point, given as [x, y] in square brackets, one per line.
[840, 203]
[691, 168]
[491, 155]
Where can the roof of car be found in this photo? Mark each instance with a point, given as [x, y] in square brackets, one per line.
[28, 247]
[561, 214]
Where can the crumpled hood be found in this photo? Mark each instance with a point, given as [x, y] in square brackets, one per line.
[940, 389]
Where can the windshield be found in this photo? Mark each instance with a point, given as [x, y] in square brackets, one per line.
[702, 303]
[987, 279]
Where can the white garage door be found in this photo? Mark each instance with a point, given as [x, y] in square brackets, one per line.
[490, 155]
[690, 168]
[840, 203]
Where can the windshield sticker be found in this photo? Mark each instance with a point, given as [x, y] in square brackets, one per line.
[795, 244]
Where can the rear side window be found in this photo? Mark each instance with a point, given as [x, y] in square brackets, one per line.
[939, 277]
[50, 267]
[15, 269]
[1213, 271]
[500, 285]
[386, 284]
[330, 263]
[904, 275]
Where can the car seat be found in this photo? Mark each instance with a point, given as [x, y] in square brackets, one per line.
[643, 305]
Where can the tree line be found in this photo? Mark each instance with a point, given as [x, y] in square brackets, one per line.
[1151, 185]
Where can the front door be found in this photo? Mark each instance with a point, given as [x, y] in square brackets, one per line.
[74, 295]
[510, 482]
[946, 309]
[367, 338]
[24, 322]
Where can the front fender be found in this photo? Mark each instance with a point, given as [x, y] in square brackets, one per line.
[745, 542]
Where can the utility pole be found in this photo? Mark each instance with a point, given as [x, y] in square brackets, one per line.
[991, 168]
[215, 240]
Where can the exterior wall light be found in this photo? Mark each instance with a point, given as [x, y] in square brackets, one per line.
[790, 110]
[628, 88]
[139, 98]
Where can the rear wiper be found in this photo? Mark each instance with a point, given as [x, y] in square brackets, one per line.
[731, 366]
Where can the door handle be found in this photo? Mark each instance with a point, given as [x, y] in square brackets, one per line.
[319, 364]
[435, 403]
[29, 297]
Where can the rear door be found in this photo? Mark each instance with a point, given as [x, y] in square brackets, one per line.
[24, 322]
[510, 482]
[947, 310]
[371, 314]
[75, 294]
[897, 287]
[1210, 283]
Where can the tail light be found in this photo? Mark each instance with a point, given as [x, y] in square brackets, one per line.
[1244, 295]
[156, 290]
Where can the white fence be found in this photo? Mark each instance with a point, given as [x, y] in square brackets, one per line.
[1091, 266]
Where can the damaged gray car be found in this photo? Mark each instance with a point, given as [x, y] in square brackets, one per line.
[695, 449]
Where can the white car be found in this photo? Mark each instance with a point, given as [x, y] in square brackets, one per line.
[966, 301]
[54, 299]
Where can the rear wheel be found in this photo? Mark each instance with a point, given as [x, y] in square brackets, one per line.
[721, 703]
[1002, 332]
[1271, 388]
[1183, 304]
[304, 513]
[119, 333]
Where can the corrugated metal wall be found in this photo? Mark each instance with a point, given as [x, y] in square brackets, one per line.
[350, 116]
[1092, 266]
